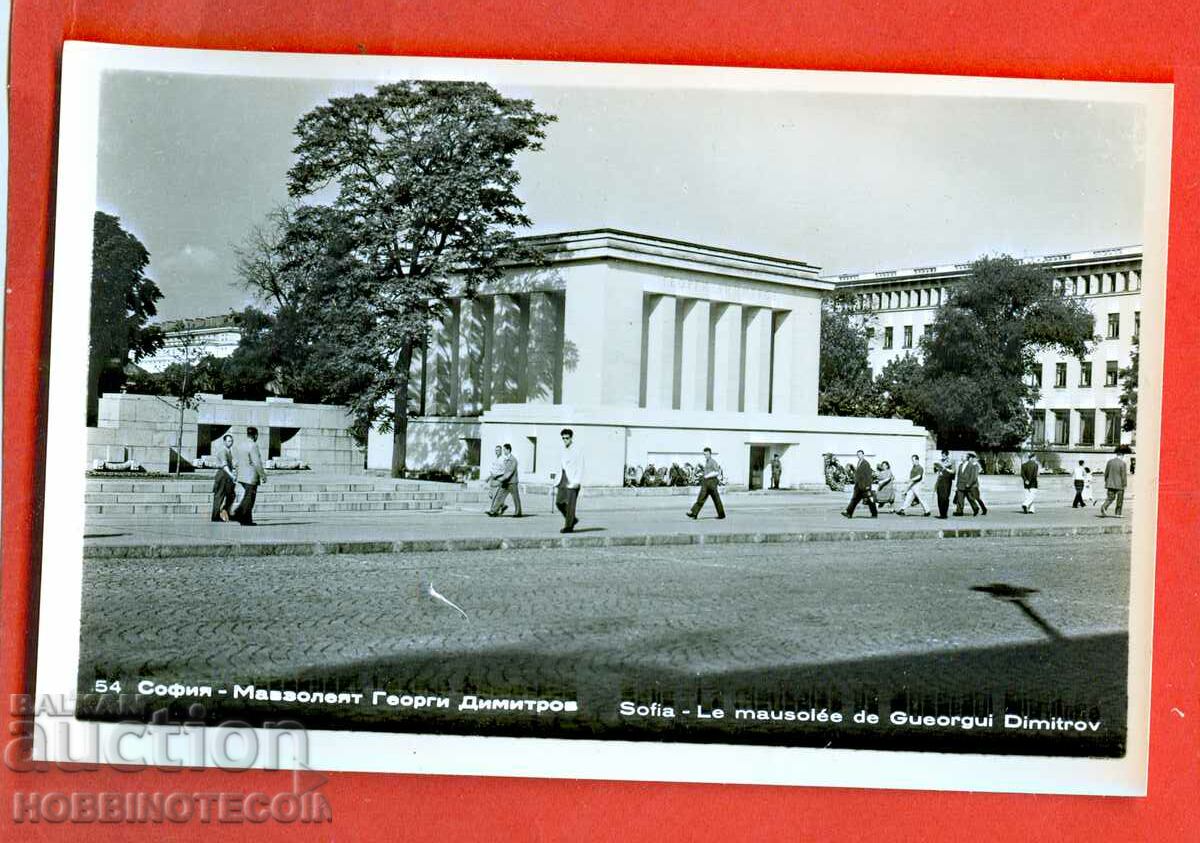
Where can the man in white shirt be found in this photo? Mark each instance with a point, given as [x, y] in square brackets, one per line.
[569, 480]
[495, 472]
[708, 487]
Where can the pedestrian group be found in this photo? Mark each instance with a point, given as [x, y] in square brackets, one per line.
[240, 472]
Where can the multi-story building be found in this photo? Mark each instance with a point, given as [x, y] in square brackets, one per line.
[1079, 412]
[194, 338]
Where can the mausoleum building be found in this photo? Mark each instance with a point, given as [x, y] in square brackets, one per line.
[649, 349]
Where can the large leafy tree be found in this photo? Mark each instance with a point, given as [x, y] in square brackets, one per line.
[845, 385]
[982, 347]
[407, 188]
[902, 389]
[123, 301]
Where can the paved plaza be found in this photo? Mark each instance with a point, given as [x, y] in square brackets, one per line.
[884, 625]
[607, 517]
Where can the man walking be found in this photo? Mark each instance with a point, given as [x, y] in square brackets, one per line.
[567, 494]
[1081, 476]
[968, 487]
[862, 487]
[1030, 469]
[251, 474]
[1116, 477]
[495, 471]
[508, 485]
[776, 471]
[708, 487]
[912, 494]
[942, 485]
[223, 482]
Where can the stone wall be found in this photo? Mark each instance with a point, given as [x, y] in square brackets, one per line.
[145, 429]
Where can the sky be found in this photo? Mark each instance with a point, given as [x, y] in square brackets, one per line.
[847, 182]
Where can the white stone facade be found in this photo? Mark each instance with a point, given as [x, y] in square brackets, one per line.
[650, 349]
[904, 302]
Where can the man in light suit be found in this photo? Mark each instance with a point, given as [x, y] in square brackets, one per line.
[250, 474]
[1116, 478]
[508, 480]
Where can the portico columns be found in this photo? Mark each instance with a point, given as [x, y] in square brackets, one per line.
[441, 365]
[726, 331]
[757, 397]
[694, 354]
[659, 359]
[510, 324]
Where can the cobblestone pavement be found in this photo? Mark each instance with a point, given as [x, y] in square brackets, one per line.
[885, 623]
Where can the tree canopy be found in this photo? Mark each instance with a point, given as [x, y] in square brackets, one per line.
[845, 386]
[396, 193]
[122, 302]
[982, 347]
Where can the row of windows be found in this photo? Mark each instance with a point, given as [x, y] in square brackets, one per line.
[1060, 431]
[1113, 333]
[1112, 374]
[1077, 285]
[889, 336]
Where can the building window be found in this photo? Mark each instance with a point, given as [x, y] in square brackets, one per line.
[1062, 427]
[1085, 373]
[870, 334]
[1137, 323]
[1087, 428]
[1035, 376]
[1114, 326]
[1112, 428]
[1111, 373]
[908, 336]
[887, 337]
[1060, 375]
[1038, 436]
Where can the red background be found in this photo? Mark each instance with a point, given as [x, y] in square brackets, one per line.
[1081, 39]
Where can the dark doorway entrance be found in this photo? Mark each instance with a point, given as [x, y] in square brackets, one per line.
[758, 462]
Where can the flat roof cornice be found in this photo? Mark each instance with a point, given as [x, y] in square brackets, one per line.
[615, 245]
[1064, 260]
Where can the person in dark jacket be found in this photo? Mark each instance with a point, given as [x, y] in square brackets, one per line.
[1116, 477]
[863, 475]
[968, 487]
[941, 487]
[1029, 478]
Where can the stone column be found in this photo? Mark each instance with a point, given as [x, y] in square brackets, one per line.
[441, 365]
[658, 362]
[783, 360]
[694, 354]
[510, 323]
[757, 365]
[726, 332]
[474, 329]
[602, 336]
[544, 369]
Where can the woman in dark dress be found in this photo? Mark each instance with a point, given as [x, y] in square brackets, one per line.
[223, 483]
[941, 486]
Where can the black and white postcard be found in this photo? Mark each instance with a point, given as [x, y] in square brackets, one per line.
[603, 421]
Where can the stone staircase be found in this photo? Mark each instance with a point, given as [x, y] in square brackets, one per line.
[284, 493]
